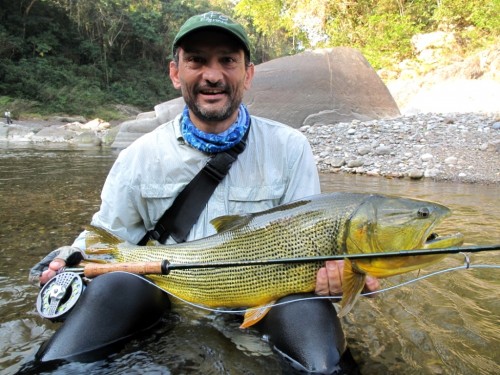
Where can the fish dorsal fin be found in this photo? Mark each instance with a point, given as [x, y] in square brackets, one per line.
[227, 222]
[100, 241]
[255, 315]
[353, 284]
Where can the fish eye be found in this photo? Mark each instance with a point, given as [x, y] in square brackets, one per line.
[432, 237]
[423, 212]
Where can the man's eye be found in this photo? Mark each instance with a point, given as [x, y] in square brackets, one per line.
[194, 59]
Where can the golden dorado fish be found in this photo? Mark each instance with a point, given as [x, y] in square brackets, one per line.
[321, 225]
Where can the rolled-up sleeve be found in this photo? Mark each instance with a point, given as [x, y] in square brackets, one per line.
[303, 173]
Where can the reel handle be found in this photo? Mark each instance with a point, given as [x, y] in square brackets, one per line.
[139, 268]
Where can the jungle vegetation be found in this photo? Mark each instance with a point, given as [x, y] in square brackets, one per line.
[85, 56]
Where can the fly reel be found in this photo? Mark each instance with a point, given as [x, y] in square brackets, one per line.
[59, 296]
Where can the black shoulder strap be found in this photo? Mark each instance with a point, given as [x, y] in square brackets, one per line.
[179, 218]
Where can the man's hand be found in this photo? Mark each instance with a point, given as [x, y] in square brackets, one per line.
[329, 280]
[48, 267]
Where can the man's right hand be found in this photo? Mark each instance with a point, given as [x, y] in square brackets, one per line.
[49, 266]
[329, 280]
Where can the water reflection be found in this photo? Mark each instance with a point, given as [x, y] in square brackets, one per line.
[445, 324]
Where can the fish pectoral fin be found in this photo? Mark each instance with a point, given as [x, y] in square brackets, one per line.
[254, 316]
[228, 222]
[352, 286]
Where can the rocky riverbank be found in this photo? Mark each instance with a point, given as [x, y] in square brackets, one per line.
[455, 147]
[462, 147]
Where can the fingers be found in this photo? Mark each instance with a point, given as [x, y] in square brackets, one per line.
[372, 284]
[335, 270]
[49, 273]
[47, 268]
[329, 278]
[322, 282]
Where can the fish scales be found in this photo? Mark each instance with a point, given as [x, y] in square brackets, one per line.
[304, 230]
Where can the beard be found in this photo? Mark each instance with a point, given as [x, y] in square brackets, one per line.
[213, 114]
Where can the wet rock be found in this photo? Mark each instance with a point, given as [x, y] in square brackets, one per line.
[53, 134]
[87, 139]
[91, 133]
[4, 131]
[415, 174]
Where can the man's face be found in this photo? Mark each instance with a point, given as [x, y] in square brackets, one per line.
[212, 77]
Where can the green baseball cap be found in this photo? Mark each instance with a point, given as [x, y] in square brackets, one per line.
[213, 19]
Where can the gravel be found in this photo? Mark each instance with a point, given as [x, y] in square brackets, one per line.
[461, 147]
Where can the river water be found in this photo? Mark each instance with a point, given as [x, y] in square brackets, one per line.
[444, 324]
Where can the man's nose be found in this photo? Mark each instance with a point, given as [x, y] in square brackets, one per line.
[212, 73]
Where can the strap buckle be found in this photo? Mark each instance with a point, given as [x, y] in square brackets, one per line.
[218, 166]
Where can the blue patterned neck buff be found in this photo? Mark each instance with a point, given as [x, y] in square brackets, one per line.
[213, 143]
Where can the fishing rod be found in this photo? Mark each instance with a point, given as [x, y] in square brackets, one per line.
[164, 267]
[59, 295]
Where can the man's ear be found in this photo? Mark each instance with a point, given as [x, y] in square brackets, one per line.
[249, 76]
[174, 75]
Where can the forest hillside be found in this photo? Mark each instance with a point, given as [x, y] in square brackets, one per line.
[91, 58]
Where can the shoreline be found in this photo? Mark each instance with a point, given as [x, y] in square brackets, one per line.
[454, 147]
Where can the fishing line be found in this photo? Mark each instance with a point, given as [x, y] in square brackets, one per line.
[466, 266]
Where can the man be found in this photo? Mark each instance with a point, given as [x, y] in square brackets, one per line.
[212, 68]
[8, 118]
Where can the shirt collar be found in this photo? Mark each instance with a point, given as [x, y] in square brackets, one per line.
[178, 130]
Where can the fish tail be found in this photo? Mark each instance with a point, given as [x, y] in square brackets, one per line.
[352, 286]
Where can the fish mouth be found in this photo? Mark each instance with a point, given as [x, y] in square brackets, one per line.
[435, 241]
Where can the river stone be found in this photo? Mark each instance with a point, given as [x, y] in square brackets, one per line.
[321, 86]
[324, 86]
[426, 157]
[80, 119]
[87, 138]
[382, 150]
[415, 174]
[364, 150]
[4, 131]
[355, 163]
[451, 160]
[53, 134]
[336, 162]
[17, 132]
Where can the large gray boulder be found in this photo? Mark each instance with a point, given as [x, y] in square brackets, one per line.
[316, 87]
[320, 87]
[145, 122]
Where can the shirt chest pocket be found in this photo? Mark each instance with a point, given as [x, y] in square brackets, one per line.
[245, 199]
[159, 197]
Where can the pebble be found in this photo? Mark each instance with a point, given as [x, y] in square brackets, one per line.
[430, 145]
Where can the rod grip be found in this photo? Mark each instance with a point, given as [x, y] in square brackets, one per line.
[139, 268]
